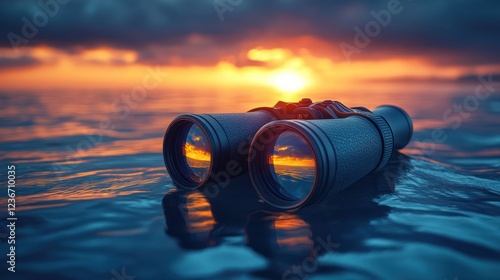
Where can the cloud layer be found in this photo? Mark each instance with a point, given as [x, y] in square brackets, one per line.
[191, 32]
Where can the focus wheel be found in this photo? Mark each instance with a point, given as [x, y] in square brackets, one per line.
[387, 138]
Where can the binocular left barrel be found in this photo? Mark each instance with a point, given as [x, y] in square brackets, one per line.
[200, 150]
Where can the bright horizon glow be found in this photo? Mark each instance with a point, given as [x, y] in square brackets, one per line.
[192, 152]
[291, 161]
[279, 68]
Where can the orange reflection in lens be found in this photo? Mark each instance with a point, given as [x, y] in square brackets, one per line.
[190, 151]
[291, 161]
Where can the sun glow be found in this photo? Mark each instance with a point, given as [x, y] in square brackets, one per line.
[288, 81]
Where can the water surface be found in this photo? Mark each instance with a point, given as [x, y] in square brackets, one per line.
[94, 200]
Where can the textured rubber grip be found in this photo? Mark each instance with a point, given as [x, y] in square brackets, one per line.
[357, 147]
[387, 138]
[240, 130]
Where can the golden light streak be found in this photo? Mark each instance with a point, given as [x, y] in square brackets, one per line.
[266, 55]
[291, 161]
[190, 151]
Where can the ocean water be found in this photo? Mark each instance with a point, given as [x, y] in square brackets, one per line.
[94, 201]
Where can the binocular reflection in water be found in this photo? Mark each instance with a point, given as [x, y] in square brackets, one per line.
[200, 220]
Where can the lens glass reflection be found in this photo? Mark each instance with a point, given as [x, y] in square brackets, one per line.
[293, 165]
[196, 150]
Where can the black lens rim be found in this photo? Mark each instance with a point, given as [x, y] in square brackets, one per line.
[261, 175]
[175, 161]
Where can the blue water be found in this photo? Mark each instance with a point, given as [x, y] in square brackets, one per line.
[92, 205]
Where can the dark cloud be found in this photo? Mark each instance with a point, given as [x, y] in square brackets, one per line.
[23, 61]
[189, 31]
[291, 144]
[468, 78]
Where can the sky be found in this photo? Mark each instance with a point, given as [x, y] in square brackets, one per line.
[290, 45]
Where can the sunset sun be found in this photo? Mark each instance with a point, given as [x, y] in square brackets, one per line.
[288, 81]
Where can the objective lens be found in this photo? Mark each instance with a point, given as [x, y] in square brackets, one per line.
[196, 150]
[292, 165]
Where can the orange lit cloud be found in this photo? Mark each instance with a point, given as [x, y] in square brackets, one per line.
[284, 70]
[281, 148]
[269, 55]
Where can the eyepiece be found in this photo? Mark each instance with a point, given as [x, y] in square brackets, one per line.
[400, 123]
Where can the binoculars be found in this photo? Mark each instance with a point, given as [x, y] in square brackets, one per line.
[296, 153]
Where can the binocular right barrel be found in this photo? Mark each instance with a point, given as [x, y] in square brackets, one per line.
[293, 163]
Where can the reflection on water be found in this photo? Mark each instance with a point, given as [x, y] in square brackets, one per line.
[92, 195]
[285, 239]
[190, 218]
